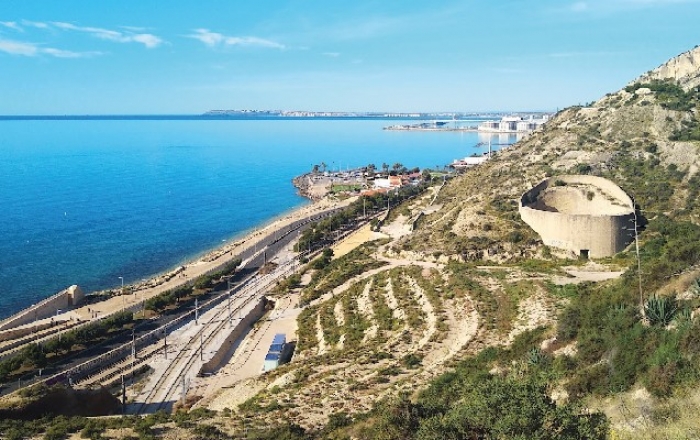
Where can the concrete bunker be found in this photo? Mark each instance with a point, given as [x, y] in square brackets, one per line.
[587, 215]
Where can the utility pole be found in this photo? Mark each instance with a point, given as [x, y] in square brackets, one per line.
[230, 317]
[165, 342]
[201, 347]
[196, 311]
[639, 262]
[122, 294]
[123, 396]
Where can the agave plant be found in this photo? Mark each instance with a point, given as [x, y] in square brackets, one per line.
[695, 287]
[684, 316]
[535, 356]
[660, 310]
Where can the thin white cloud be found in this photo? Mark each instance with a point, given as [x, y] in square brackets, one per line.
[27, 49]
[11, 25]
[252, 41]
[59, 53]
[18, 48]
[207, 37]
[134, 28]
[36, 24]
[215, 39]
[149, 40]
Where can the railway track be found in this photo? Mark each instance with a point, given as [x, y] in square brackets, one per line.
[190, 353]
[240, 362]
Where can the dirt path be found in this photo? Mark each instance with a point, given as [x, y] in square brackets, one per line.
[533, 311]
[393, 303]
[463, 324]
[322, 346]
[364, 307]
[428, 311]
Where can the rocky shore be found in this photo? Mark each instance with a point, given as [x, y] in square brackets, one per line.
[313, 186]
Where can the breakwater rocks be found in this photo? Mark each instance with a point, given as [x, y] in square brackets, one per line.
[314, 186]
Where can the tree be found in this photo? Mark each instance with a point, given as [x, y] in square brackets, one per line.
[385, 167]
[35, 355]
[314, 170]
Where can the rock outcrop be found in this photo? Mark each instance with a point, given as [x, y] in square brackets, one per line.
[684, 68]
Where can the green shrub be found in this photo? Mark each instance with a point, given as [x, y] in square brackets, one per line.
[660, 310]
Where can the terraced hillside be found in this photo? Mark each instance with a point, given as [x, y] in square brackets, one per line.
[455, 321]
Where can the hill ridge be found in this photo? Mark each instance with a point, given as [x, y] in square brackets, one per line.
[684, 68]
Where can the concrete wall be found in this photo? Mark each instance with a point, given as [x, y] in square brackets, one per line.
[602, 235]
[14, 333]
[63, 300]
[221, 354]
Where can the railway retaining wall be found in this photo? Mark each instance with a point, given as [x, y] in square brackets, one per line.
[222, 353]
[15, 333]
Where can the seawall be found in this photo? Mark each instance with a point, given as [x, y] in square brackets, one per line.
[65, 299]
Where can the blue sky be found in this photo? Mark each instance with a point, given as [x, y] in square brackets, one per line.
[176, 56]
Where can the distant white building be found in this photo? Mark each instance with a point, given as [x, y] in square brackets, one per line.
[382, 183]
[512, 124]
[469, 161]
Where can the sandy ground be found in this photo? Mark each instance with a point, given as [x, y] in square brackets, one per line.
[247, 361]
[357, 238]
[591, 271]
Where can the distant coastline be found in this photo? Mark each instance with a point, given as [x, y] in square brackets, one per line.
[201, 117]
[218, 115]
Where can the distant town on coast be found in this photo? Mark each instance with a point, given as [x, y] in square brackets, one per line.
[282, 114]
[365, 115]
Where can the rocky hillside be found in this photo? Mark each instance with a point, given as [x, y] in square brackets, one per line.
[685, 69]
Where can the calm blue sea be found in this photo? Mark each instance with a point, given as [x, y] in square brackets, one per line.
[85, 202]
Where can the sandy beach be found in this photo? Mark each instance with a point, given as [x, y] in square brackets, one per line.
[143, 290]
[190, 271]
